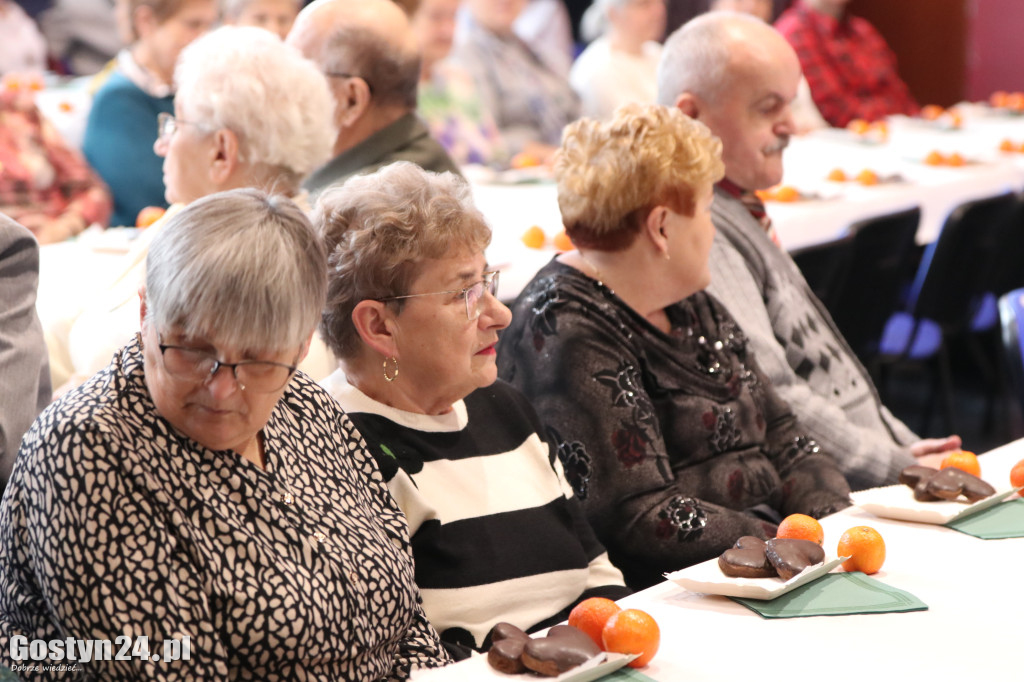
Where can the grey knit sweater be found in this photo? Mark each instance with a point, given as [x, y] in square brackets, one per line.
[803, 353]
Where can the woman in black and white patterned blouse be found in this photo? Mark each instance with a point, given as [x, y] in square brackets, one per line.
[198, 487]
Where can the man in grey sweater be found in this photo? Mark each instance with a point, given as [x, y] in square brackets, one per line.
[737, 75]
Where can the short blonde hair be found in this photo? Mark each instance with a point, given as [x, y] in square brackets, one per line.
[379, 229]
[610, 174]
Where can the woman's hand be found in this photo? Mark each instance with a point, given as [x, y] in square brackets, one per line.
[935, 446]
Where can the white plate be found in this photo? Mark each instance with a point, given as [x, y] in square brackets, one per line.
[897, 502]
[707, 578]
[477, 669]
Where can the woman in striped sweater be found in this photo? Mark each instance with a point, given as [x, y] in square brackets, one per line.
[497, 534]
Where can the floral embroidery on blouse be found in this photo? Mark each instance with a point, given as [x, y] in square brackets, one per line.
[576, 463]
[683, 517]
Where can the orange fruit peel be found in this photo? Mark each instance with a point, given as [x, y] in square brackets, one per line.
[591, 615]
[632, 631]
[963, 460]
[865, 548]
[801, 527]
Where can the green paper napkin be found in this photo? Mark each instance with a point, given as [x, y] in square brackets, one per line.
[1004, 520]
[627, 674]
[837, 594]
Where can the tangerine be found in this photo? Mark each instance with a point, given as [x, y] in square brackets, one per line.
[1007, 145]
[964, 461]
[998, 99]
[867, 177]
[801, 527]
[524, 160]
[534, 237]
[935, 158]
[148, 216]
[1015, 101]
[787, 193]
[765, 194]
[931, 112]
[562, 242]
[1017, 475]
[837, 175]
[956, 119]
[865, 547]
[858, 126]
[590, 616]
[955, 159]
[632, 631]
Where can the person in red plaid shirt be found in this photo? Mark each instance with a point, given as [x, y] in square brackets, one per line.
[847, 63]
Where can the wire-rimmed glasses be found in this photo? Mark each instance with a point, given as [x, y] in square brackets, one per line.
[473, 294]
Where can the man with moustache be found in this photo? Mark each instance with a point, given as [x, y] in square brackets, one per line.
[738, 76]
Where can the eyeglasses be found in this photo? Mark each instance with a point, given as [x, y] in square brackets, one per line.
[341, 74]
[167, 125]
[473, 294]
[258, 376]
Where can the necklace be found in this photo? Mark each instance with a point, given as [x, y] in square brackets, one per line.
[597, 271]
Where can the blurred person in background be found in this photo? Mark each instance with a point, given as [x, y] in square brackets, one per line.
[120, 133]
[22, 46]
[621, 63]
[82, 34]
[448, 101]
[529, 102]
[277, 16]
[369, 53]
[851, 70]
[223, 135]
[45, 185]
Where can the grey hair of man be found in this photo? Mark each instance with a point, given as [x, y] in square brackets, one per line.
[393, 73]
[379, 229]
[697, 57]
[240, 267]
[277, 102]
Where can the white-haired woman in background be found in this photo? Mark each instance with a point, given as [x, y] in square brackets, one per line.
[199, 486]
[250, 112]
[621, 63]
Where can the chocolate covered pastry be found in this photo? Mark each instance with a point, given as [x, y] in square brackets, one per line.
[789, 556]
[746, 559]
[944, 484]
[506, 652]
[565, 647]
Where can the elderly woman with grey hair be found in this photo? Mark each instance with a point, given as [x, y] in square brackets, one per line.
[250, 112]
[621, 64]
[200, 491]
[412, 314]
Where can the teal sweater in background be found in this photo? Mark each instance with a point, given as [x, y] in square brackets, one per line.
[118, 143]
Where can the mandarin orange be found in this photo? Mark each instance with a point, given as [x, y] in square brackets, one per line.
[858, 126]
[1007, 145]
[998, 99]
[632, 631]
[562, 242]
[786, 193]
[534, 237]
[148, 216]
[935, 158]
[837, 175]
[867, 177]
[931, 112]
[964, 461]
[955, 159]
[801, 527]
[865, 547]
[590, 616]
[1017, 476]
[524, 160]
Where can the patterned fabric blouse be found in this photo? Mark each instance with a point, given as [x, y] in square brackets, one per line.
[451, 108]
[116, 524]
[528, 101]
[39, 172]
[848, 65]
[676, 443]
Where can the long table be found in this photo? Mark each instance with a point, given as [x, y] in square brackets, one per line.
[971, 630]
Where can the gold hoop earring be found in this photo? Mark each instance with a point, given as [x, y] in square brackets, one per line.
[394, 376]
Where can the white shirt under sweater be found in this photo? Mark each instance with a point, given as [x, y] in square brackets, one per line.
[605, 79]
[497, 535]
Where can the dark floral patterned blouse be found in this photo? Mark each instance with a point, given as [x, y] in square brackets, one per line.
[676, 443]
[114, 524]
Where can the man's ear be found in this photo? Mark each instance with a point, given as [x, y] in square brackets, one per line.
[224, 156]
[688, 104]
[375, 324]
[353, 98]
